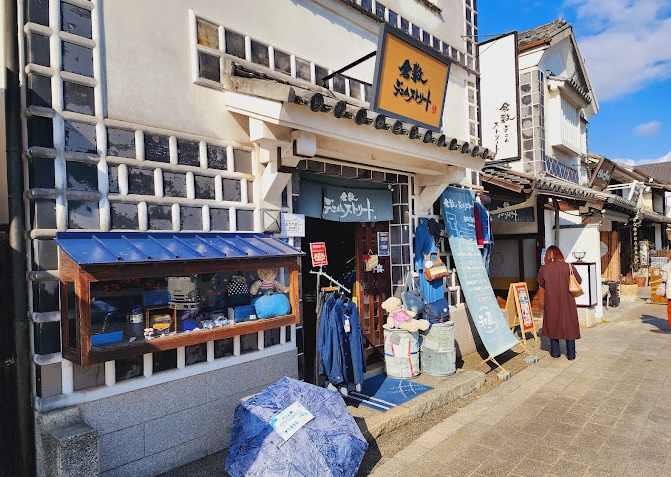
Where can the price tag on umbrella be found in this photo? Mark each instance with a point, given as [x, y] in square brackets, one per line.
[287, 422]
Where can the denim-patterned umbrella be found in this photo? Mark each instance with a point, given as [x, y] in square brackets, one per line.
[328, 444]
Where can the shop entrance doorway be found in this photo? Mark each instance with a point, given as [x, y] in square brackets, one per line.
[346, 243]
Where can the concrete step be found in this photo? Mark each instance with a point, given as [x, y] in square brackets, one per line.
[446, 389]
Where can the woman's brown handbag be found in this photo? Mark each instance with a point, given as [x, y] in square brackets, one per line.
[573, 285]
[434, 268]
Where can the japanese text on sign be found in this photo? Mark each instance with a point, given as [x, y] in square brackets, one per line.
[318, 254]
[348, 204]
[502, 126]
[412, 93]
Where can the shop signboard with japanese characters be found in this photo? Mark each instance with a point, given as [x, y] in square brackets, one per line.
[506, 209]
[499, 95]
[457, 205]
[410, 79]
[292, 225]
[345, 204]
[602, 174]
[318, 254]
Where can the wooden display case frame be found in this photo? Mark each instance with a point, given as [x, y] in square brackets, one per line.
[84, 354]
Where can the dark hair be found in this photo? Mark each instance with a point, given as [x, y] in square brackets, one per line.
[553, 254]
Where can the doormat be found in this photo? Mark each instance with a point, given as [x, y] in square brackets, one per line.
[383, 393]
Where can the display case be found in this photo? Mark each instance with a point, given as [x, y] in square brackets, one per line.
[132, 294]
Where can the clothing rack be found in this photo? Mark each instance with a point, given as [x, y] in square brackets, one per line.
[335, 282]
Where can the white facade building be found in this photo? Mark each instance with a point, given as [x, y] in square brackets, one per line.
[200, 116]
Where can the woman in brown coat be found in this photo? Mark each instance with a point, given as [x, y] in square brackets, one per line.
[560, 317]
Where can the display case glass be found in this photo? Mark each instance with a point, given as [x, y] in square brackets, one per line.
[116, 310]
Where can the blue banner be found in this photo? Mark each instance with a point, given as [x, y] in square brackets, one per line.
[457, 204]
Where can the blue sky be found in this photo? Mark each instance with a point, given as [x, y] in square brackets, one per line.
[626, 45]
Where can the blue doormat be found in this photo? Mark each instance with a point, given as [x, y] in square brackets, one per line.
[383, 393]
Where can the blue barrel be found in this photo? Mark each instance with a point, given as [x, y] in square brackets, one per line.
[437, 354]
[401, 353]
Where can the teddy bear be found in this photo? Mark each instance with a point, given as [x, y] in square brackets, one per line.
[267, 283]
[399, 317]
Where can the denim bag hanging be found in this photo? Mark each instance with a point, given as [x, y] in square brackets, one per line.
[436, 312]
[412, 297]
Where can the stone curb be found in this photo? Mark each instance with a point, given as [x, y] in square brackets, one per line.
[457, 386]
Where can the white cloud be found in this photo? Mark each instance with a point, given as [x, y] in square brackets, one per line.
[632, 162]
[648, 129]
[624, 43]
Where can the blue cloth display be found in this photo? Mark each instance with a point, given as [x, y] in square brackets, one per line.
[341, 353]
[329, 444]
[268, 306]
[240, 314]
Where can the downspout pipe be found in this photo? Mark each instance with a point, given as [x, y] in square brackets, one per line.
[17, 244]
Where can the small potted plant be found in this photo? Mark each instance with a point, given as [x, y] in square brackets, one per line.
[641, 277]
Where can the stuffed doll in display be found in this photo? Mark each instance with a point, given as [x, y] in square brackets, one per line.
[267, 283]
[399, 317]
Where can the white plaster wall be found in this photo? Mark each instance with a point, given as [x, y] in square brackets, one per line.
[455, 115]
[585, 238]
[529, 60]
[559, 59]
[447, 25]
[148, 70]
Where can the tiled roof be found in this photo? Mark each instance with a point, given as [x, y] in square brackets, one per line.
[660, 171]
[540, 33]
[508, 179]
[517, 181]
[654, 216]
[321, 100]
[575, 86]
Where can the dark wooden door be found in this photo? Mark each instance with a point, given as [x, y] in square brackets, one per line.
[372, 289]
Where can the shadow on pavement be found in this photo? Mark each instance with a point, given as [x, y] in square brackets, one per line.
[661, 324]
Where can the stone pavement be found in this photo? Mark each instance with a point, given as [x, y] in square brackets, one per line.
[607, 413]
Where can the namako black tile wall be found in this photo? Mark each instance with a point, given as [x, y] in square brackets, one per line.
[188, 153]
[156, 148]
[77, 59]
[160, 217]
[75, 20]
[120, 143]
[195, 354]
[129, 368]
[124, 216]
[39, 91]
[37, 11]
[217, 157]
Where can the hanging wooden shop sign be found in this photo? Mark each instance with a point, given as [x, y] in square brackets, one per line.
[410, 79]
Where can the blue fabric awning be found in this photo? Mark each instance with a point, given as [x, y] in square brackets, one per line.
[97, 248]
